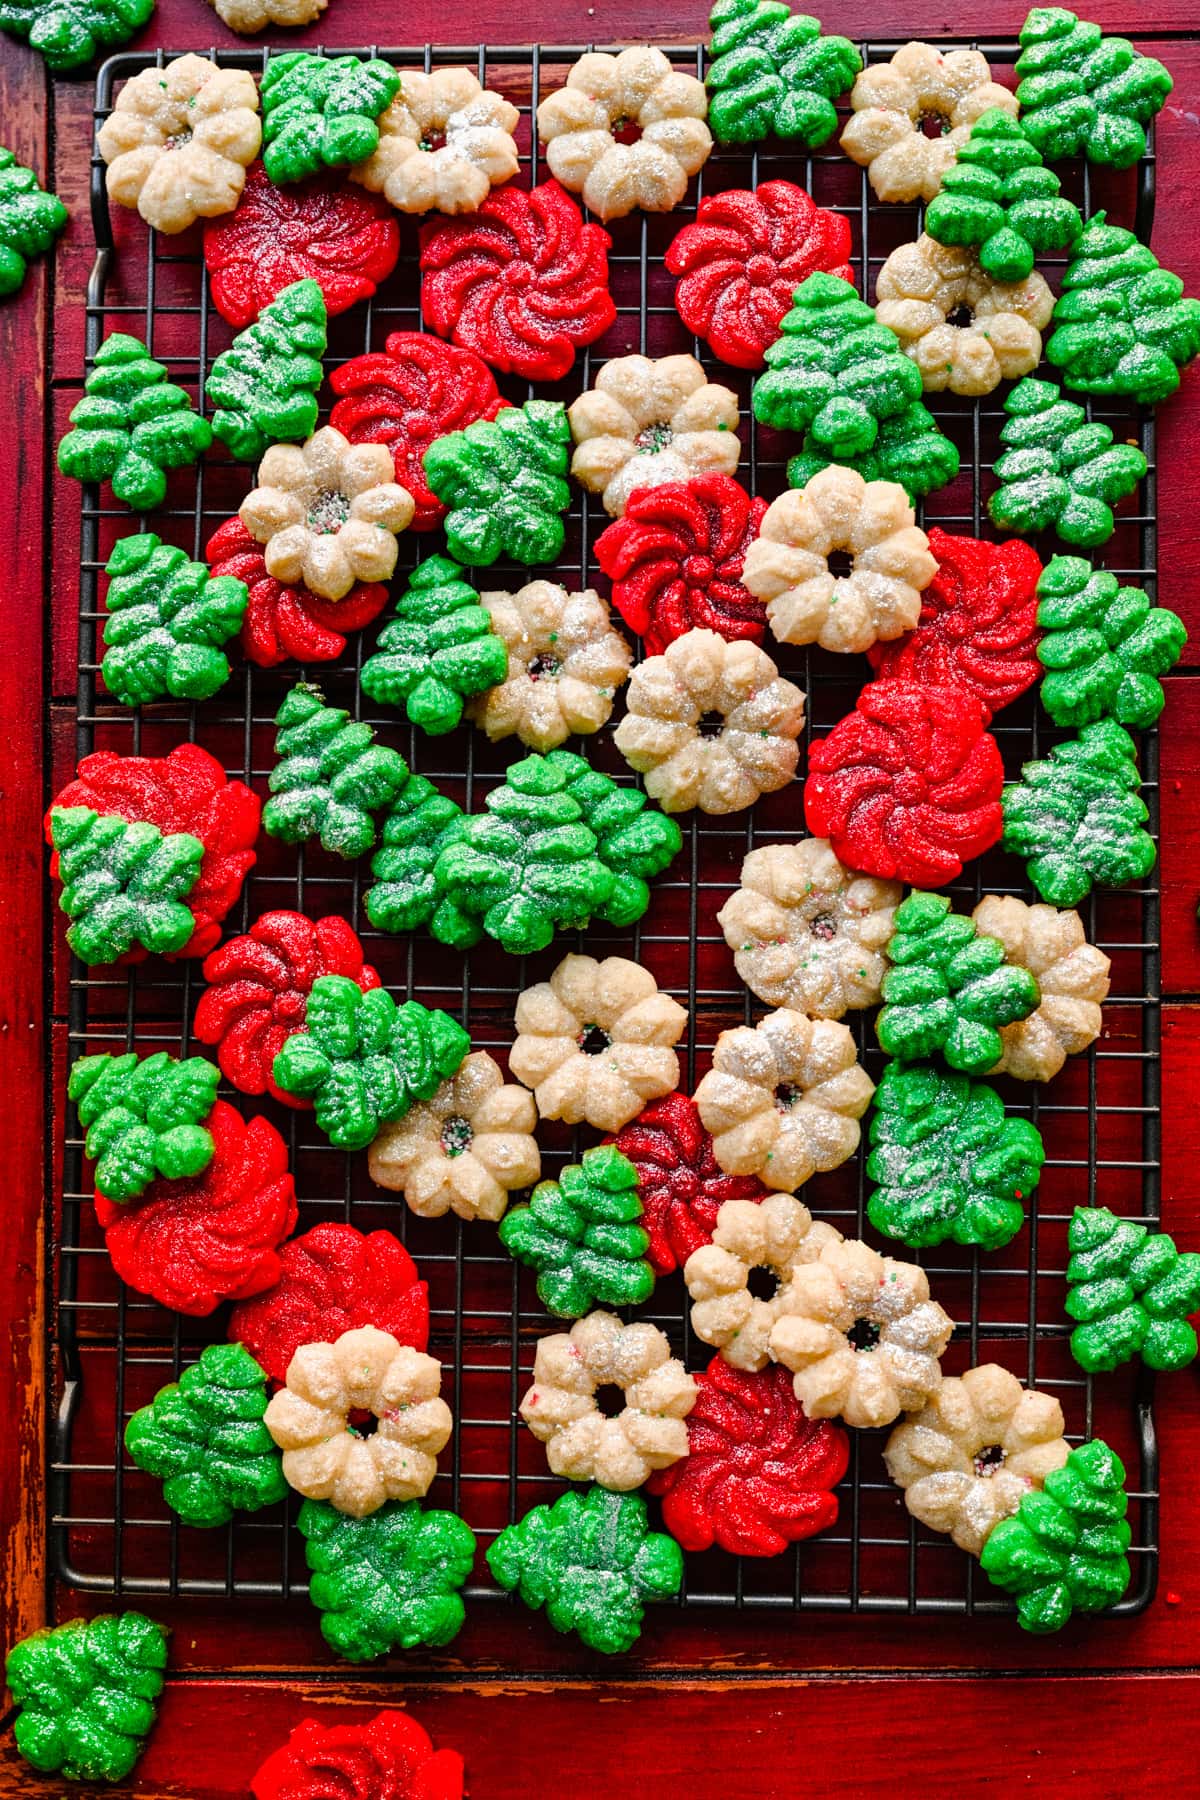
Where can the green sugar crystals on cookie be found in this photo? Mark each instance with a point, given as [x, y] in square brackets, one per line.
[69, 33]
[437, 650]
[331, 776]
[771, 71]
[131, 425]
[143, 1116]
[168, 620]
[30, 220]
[1103, 646]
[1084, 94]
[322, 111]
[122, 884]
[1058, 470]
[263, 389]
[503, 481]
[85, 1695]
[387, 1582]
[997, 197]
[583, 1235]
[1077, 817]
[1063, 1550]
[1130, 1291]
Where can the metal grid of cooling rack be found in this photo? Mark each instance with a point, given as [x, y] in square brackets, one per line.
[113, 1349]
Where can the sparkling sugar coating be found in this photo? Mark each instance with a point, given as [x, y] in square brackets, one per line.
[891, 102]
[1084, 94]
[143, 1117]
[417, 827]
[263, 389]
[646, 421]
[502, 482]
[321, 111]
[178, 141]
[331, 776]
[965, 330]
[69, 33]
[1057, 470]
[583, 1234]
[1077, 818]
[772, 72]
[85, 1694]
[1072, 977]
[778, 1235]
[30, 220]
[167, 623]
[1130, 1291]
[387, 1582]
[132, 425]
[1063, 1550]
[389, 1757]
[285, 619]
[999, 197]
[1121, 324]
[436, 651]
[1103, 646]
[563, 665]
[680, 1183]
[124, 886]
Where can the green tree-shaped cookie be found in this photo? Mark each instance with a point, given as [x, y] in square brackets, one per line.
[321, 111]
[1121, 323]
[143, 1117]
[1131, 1291]
[910, 448]
[592, 1561]
[131, 425]
[418, 827]
[30, 220]
[1063, 1550]
[85, 1694]
[770, 70]
[1057, 469]
[122, 884]
[634, 840]
[503, 481]
[998, 197]
[167, 619]
[203, 1437]
[263, 389]
[949, 988]
[390, 1581]
[1084, 94]
[1103, 646]
[439, 648]
[1076, 816]
[69, 33]
[582, 1235]
[331, 776]
[947, 1161]
[363, 1061]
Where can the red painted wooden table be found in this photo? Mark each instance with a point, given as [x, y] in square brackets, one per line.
[744, 1706]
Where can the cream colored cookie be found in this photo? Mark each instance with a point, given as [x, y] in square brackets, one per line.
[890, 103]
[1072, 974]
[466, 1150]
[963, 330]
[418, 173]
[249, 17]
[565, 664]
[778, 1234]
[178, 141]
[646, 421]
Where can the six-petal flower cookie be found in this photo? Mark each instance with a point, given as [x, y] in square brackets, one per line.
[645, 422]
[891, 102]
[778, 1235]
[564, 665]
[179, 140]
[444, 143]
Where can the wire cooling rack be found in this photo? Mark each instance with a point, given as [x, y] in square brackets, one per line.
[111, 1532]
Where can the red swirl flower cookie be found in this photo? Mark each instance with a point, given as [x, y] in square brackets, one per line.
[523, 282]
[681, 1185]
[416, 390]
[333, 1279]
[978, 626]
[758, 1475]
[676, 557]
[907, 786]
[743, 257]
[342, 237]
[258, 989]
[191, 1244]
[282, 620]
[390, 1757]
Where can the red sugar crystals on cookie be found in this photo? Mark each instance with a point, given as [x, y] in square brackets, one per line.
[390, 1757]
[680, 1183]
[284, 620]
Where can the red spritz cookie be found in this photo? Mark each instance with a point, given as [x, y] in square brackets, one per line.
[419, 389]
[192, 1244]
[758, 1475]
[258, 988]
[676, 557]
[333, 1279]
[907, 787]
[978, 627]
[523, 282]
[388, 1758]
[680, 1183]
[283, 620]
[743, 257]
[185, 791]
[344, 238]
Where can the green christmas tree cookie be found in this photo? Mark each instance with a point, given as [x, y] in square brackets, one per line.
[167, 620]
[1084, 94]
[122, 884]
[1131, 1292]
[331, 776]
[949, 988]
[439, 648]
[85, 1695]
[1076, 816]
[947, 1161]
[30, 220]
[1103, 646]
[1057, 470]
[131, 425]
[390, 1581]
[582, 1235]
[592, 1561]
[503, 480]
[363, 1061]
[322, 111]
[263, 389]
[634, 840]
[69, 33]
[910, 448]
[999, 198]
[417, 829]
[203, 1437]
[142, 1115]
[1063, 1550]
[771, 71]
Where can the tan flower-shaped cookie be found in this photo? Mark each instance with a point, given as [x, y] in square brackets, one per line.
[561, 1408]
[783, 1099]
[861, 1336]
[327, 513]
[1072, 974]
[324, 1457]
[249, 17]
[444, 142]
[604, 96]
[178, 141]
[890, 562]
[756, 714]
[647, 421]
[778, 1234]
[597, 1041]
[808, 933]
[565, 664]
[891, 102]
[466, 1150]
[966, 1458]
[963, 330]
